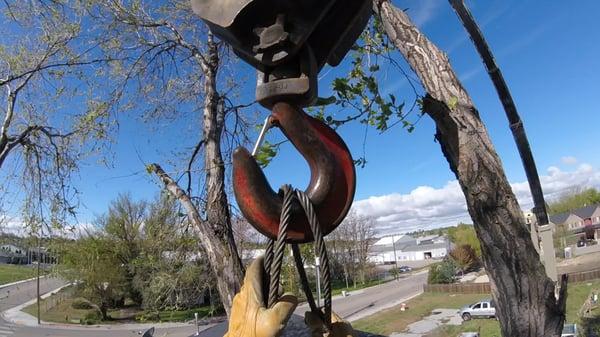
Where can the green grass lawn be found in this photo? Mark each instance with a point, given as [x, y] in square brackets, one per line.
[12, 273]
[63, 312]
[577, 294]
[395, 320]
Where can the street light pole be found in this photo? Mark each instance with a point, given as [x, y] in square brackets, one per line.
[38, 275]
[318, 264]
[395, 257]
[518, 132]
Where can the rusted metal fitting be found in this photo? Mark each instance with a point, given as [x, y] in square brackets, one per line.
[332, 183]
[268, 33]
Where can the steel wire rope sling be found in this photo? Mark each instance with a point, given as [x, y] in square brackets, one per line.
[289, 42]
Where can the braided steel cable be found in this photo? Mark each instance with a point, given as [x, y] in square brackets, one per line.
[275, 266]
[269, 256]
[267, 264]
[304, 279]
[320, 249]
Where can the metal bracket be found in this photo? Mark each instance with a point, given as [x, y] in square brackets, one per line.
[294, 82]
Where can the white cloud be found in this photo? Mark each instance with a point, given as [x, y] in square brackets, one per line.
[424, 11]
[569, 160]
[12, 226]
[427, 207]
[15, 226]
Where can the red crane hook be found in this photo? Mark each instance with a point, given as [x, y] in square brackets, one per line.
[332, 180]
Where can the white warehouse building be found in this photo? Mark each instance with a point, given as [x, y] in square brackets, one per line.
[406, 248]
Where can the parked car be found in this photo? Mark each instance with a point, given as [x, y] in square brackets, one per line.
[404, 269]
[469, 334]
[485, 309]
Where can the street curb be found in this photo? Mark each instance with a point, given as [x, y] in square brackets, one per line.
[22, 281]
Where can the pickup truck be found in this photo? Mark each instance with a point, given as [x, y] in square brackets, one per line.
[484, 308]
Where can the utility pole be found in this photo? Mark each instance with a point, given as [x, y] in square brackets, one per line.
[38, 274]
[395, 257]
[317, 267]
[518, 132]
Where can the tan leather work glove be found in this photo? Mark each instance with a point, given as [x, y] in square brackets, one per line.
[249, 317]
[339, 327]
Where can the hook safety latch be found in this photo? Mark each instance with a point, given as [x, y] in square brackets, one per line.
[332, 181]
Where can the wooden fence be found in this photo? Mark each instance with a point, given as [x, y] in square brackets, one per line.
[584, 276]
[484, 288]
[458, 288]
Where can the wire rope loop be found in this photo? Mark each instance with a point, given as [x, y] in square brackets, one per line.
[321, 251]
[276, 249]
[279, 246]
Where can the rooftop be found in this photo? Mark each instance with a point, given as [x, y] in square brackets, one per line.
[418, 248]
[583, 212]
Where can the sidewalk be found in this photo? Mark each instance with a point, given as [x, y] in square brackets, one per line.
[22, 281]
[437, 318]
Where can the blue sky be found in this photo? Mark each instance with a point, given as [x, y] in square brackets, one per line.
[549, 54]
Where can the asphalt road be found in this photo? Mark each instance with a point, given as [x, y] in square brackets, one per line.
[12, 296]
[18, 294]
[368, 301]
[358, 304]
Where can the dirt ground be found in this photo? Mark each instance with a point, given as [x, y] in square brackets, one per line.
[579, 264]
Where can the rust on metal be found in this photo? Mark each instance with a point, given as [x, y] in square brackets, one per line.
[332, 183]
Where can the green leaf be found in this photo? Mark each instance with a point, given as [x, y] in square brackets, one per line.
[324, 101]
[265, 154]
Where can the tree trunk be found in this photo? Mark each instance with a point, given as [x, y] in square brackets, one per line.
[223, 260]
[217, 206]
[527, 305]
[104, 310]
[216, 232]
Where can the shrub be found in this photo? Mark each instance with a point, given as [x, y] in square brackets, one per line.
[81, 303]
[465, 257]
[443, 272]
[92, 317]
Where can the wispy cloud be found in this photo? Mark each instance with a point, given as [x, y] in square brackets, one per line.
[424, 11]
[15, 226]
[569, 160]
[428, 207]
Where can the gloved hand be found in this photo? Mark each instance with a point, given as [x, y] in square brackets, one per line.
[249, 317]
[339, 327]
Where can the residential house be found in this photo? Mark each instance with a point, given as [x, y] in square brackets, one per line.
[576, 220]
